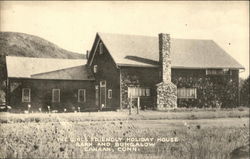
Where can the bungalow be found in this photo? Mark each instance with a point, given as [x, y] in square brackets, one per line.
[42, 82]
[152, 72]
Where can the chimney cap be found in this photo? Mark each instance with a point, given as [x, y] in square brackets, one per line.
[164, 34]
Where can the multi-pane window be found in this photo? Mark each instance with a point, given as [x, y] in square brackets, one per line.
[81, 95]
[56, 95]
[95, 68]
[218, 72]
[138, 92]
[101, 48]
[26, 95]
[186, 93]
[110, 93]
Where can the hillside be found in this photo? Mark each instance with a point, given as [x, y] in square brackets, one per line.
[21, 44]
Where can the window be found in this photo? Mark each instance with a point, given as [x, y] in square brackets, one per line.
[186, 93]
[95, 68]
[56, 95]
[81, 95]
[218, 72]
[138, 92]
[26, 95]
[110, 93]
[101, 48]
[103, 84]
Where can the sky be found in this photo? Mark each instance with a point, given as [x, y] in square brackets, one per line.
[73, 25]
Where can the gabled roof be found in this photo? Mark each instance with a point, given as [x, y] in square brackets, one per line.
[143, 51]
[47, 68]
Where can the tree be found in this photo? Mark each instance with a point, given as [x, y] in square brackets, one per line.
[244, 93]
[2, 78]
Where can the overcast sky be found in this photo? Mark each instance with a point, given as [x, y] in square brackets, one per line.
[73, 25]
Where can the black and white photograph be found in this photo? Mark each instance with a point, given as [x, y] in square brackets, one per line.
[124, 79]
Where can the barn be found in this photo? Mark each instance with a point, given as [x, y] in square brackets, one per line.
[121, 70]
[127, 68]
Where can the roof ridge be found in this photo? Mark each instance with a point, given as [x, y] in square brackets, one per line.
[37, 74]
[122, 34]
[149, 36]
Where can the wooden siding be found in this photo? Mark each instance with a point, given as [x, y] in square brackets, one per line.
[107, 70]
[41, 94]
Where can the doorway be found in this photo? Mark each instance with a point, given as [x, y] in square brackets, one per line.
[102, 94]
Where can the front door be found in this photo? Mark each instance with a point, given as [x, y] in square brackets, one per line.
[102, 94]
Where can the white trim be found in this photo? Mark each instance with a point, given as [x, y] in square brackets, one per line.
[94, 51]
[54, 95]
[84, 97]
[23, 94]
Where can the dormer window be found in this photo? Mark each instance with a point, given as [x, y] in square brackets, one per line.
[101, 48]
[95, 68]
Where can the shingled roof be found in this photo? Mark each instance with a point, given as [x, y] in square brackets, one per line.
[47, 68]
[137, 50]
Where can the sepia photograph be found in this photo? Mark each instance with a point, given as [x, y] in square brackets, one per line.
[124, 79]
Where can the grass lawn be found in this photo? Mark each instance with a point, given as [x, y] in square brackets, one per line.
[202, 134]
[123, 115]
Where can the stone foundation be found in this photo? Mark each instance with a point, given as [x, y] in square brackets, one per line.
[166, 96]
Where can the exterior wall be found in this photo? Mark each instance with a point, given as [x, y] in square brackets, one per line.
[41, 94]
[139, 76]
[107, 70]
[212, 90]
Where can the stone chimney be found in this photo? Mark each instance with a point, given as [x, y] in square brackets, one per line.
[166, 90]
[164, 57]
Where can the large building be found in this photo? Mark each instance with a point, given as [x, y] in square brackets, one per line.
[128, 69]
